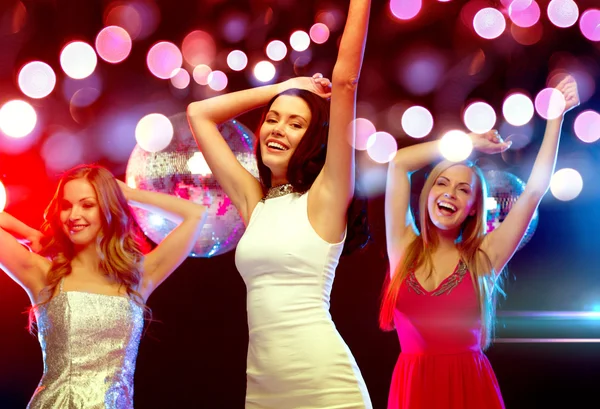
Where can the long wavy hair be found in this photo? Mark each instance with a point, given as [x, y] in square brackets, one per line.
[419, 252]
[119, 244]
[307, 161]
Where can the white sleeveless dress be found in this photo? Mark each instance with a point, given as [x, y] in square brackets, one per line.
[296, 357]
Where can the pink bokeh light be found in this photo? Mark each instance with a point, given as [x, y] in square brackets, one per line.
[405, 9]
[163, 59]
[364, 129]
[587, 126]
[550, 103]
[524, 15]
[589, 24]
[319, 33]
[113, 44]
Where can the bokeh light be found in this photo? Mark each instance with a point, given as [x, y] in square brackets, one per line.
[163, 59]
[17, 118]
[563, 13]
[489, 23]
[78, 60]
[479, 117]
[113, 44]
[299, 40]
[237, 60]
[405, 9]
[382, 147]
[319, 33]
[264, 71]
[234, 26]
[201, 73]
[517, 109]
[421, 70]
[524, 13]
[36, 79]
[180, 79]
[276, 50]
[154, 132]
[527, 36]
[139, 18]
[199, 47]
[587, 126]
[2, 197]
[456, 146]
[70, 87]
[363, 129]
[417, 122]
[217, 80]
[566, 184]
[550, 103]
[589, 24]
[62, 150]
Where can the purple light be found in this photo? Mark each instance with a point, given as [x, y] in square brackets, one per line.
[589, 24]
[405, 9]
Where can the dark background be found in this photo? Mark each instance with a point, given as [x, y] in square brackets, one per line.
[194, 356]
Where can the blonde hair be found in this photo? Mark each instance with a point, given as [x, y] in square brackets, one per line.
[419, 252]
[118, 244]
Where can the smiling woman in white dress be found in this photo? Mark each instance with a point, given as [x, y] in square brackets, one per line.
[296, 220]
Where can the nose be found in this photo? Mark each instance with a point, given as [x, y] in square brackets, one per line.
[277, 129]
[448, 195]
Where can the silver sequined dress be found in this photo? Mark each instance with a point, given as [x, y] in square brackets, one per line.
[89, 345]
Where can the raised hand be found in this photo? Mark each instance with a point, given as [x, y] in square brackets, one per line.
[568, 87]
[489, 142]
[316, 84]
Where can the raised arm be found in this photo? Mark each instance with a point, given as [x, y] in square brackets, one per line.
[175, 248]
[26, 268]
[335, 186]
[398, 218]
[502, 243]
[204, 116]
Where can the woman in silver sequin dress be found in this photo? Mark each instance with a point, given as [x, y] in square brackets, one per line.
[88, 296]
[295, 233]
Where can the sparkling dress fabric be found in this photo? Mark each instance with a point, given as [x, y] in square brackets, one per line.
[441, 365]
[89, 346]
[296, 357]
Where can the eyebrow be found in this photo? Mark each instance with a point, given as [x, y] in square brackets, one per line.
[293, 116]
[80, 200]
[460, 183]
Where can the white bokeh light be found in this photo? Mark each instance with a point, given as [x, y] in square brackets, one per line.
[479, 117]
[264, 71]
[180, 79]
[154, 132]
[36, 79]
[489, 23]
[417, 122]
[566, 184]
[237, 60]
[456, 146]
[217, 80]
[300, 40]
[563, 13]
[382, 147]
[276, 50]
[78, 60]
[517, 109]
[550, 103]
[17, 118]
[201, 73]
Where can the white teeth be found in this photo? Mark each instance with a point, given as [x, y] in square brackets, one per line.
[447, 205]
[276, 145]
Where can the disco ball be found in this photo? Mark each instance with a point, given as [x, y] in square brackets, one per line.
[181, 170]
[503, 191]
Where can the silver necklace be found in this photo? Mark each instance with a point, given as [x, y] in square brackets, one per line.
[277, 191]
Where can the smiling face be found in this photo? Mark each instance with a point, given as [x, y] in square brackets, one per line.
[80, 215]
[282, 130]
[452, 197]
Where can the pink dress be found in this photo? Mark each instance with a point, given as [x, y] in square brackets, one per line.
[441, 365]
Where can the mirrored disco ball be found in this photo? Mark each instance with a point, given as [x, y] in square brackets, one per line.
[180, 170]
[503, 191]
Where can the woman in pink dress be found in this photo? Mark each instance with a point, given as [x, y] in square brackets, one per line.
[443, 279]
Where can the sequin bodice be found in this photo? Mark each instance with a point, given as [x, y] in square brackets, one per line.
[89, 346]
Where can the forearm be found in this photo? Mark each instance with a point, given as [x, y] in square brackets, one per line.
[544, 164]
[170, 207]
[227, 106]
[415, 157]
[352, 45]
[15, 226]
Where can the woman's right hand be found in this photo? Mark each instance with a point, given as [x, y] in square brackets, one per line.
[316, 84]
[489, 142]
